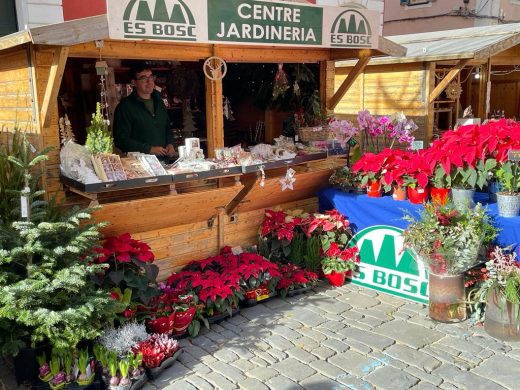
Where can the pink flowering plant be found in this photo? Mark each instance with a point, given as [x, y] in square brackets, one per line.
[383, 132]
[343, 130]
[128, 265]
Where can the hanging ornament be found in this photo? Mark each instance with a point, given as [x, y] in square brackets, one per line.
[453, 90]
[228, 112]
[281, 84]
[261, 173]
[215, 68]
[288, 181]
[296, 86]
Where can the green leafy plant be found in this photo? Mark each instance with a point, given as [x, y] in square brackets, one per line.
[508, 176]
[446, 239]
[99, 139]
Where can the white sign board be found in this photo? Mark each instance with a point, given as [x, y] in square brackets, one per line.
[251, 22]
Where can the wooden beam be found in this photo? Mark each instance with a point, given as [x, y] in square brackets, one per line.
[53, 84]
[352, 76]
[446, 80]
[429, 107]
[214, 115]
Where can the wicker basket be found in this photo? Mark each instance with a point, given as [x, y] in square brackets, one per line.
[317, 133]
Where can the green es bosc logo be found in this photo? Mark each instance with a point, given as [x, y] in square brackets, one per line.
[351, 28]
[386, 267]
[159, 19]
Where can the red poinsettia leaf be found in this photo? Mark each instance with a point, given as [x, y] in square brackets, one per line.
[123, 257]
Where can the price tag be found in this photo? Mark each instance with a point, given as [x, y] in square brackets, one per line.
[262, 297]
[24, 205]
[417, 145]
[514, 155]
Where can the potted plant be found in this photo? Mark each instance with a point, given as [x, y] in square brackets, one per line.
[498, 295]
[347, 180]
[99, 138]
[86, 376]
[159, 352]
[44, 371]
[112, 368]
[448, 241]
[370, 167]
[58, 376]
[336, 263]
[128, 265]
[508, 199]
[295, 280]
[395, 170]
[276, 234]
[439, 187]
[416, 177]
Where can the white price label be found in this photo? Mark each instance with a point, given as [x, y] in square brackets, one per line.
[24, 205]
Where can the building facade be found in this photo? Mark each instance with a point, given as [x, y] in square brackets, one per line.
[416, 16]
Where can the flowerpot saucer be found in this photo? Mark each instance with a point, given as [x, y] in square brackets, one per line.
[298, 291]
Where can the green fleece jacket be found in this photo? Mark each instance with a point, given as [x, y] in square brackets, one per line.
[136, 129]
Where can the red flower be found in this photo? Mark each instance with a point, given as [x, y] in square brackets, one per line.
[334, 250]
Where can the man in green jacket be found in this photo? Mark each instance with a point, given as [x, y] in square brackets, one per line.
[141, 122]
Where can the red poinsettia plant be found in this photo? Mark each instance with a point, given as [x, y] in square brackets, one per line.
[294, 277]
[417, 170]
[276, 234]
[333, 230]
[372, 166]
[129, 265]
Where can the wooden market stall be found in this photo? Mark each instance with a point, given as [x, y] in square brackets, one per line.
[193, 219]
[442, 73]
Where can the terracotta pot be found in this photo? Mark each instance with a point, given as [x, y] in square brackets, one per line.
[374, 189]
[162, 324]
[399, 193]
[440, 196]
[336, 279]
[183, 320]
[418, 195]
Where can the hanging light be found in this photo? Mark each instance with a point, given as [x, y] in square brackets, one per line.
[477, 73]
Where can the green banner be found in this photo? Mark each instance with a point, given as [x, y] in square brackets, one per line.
[264, 22]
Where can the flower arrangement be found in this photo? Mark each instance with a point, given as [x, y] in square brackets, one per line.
[128, 265]
[501, 275]
[155, 349]
[508, 176]
[448, 240]
[294, 277]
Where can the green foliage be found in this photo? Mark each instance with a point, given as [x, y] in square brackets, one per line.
[297, 248]
[468, 177]
[17, 157]
[99, 139]
[312, 254]
[508, 176]
[46, 292]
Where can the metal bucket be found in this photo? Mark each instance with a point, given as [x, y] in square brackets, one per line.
[508, 205]
[462, 198]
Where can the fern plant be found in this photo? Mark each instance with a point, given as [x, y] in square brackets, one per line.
[99, 139]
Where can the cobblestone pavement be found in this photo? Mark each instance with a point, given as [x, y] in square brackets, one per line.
[344, 338]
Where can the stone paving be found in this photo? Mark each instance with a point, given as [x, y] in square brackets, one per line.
[344, 338]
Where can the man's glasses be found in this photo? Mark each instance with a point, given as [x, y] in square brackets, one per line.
[146, 78]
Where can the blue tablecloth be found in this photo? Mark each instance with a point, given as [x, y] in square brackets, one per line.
[363, 211]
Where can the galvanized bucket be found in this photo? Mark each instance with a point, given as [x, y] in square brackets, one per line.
[508, 205]
[462, 198]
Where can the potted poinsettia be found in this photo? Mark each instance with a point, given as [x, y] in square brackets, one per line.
[416, 177]
[295, 280]
[336, 263]
[258, 276]
[396, 165]
[276, 234]
[129, 265]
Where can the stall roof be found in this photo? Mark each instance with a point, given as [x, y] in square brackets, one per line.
[96, 28]
[477, 43]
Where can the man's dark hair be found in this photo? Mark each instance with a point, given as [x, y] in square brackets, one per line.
[138, 67]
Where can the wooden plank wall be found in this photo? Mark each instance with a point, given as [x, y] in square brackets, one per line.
[49, 135]
[182, 228]
[15, 91]
[385, 89]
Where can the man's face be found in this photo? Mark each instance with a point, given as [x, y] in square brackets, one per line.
[144, 82]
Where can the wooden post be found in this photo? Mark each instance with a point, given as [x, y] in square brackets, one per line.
[429, 106]
[53, 84]
[214, 115]
[327, 76]
[483, 106]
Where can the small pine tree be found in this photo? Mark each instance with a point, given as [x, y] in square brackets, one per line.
[99, 139]
[46, 290]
